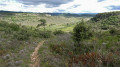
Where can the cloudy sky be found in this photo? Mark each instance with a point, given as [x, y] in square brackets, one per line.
[61, 6]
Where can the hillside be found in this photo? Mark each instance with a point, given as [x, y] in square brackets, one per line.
[44, 40]
[32, 19]
[108, 20]
[108, 15]
[90, 44]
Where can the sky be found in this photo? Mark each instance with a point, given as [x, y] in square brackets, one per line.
[60, 6]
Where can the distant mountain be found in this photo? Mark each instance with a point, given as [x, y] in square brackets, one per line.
[57, 14]
[73, 14]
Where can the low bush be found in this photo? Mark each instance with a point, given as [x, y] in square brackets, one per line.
[14, 27]
[8, 30]
[114, 31]
[41, 34]
[2, 52]
[93, 59]
[58, 48]
[57, 32]
[104, 27]
[23, 34]
[3, 24]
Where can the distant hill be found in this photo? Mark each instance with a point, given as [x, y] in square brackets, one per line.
[106, 15]
[73, 14]
[112, 18]
[57, 14]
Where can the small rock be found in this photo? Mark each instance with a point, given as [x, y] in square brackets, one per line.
[104, 43]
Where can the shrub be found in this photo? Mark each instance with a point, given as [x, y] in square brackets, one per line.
[81, 32]
[94, 59]
[113, 31]
[58, 48]
[41, 34]
[23, 34]
[7, 27]
[14, 27]
[104, 27]
[8, 30]
[47, 34]
[4, 23]
[57, 32]
[2, 52]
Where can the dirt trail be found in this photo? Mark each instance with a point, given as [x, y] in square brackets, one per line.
[34, 57]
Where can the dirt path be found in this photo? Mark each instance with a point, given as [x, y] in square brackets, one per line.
[34, 57]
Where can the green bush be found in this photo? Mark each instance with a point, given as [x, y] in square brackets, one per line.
[41, 34]
[114, 31]
[14, 27]
[23, 34]
[80, 32]
[8, 30]
[59, 48]
[57, 32]
[104, 27]
[3, 24]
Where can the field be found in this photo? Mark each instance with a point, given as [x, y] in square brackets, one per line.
[68, 41]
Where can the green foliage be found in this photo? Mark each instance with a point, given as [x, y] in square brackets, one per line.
[40, 34]
[43, 22]
[81, 32]
[102, 16]
[3, 24]
[114, 31]
[57, 48]
[8, 28]
[14, 27]
[22, 34]
[112, 20]
[104, 27]
[109, 18]
[57, 32]
[47, 34]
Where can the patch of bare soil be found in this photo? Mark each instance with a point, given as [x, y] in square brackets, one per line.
[34, 57]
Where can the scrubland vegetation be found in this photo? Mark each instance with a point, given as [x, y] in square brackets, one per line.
[69, 41]
[93, 43]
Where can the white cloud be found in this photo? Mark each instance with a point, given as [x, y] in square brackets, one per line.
[92, 6]
[11, 5]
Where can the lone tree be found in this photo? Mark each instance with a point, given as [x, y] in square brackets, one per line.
[43, 23]
[80, 32]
